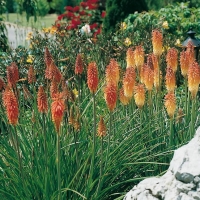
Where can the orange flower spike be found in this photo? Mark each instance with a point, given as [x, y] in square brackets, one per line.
[157, 78]
[26, 92]
[170, 80]
[92, 77]
[42, 102]
[53, 88]
[157, 41]
[51, 71]
[193, 78]
[11, 105]
[172, 59]
[57, 75]
[170, 104]
[155, 62]
[148, 78]
[139, 95]
[2, 84]
[12, 74]
[123, 99]
[184, 63]
[48, 61]
[110, 94]
[129, 82]
[48, 58]
[150, 61]
[112, 72]
[79, 65]
[190, 50]
[139, 56]
[130, 60]
[31, 75]
[57, 111]
[101, 130]
[142, 73]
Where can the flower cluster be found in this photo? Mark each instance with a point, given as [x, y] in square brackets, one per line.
[87, 13]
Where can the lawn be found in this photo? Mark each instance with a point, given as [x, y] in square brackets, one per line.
[41, 22]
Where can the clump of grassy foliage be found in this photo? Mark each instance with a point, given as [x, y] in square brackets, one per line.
[37, 164]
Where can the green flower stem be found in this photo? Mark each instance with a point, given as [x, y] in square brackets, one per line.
[109, 134]
[192, 124]
[94, 117]
[94, 144]
[76, 149]
[45, 153]
[171, 142]
[79, 90]
[58, 164]
[18, 152]
[101, 169]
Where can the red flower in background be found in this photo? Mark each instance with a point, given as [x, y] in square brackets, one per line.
[78, 16]
[82, 12]
[97, 32]
[69, 8]
[92, 6]
[69, 15]
[76, 8]
[103, 14]
[60, 17]
[76, 22]
[92, 1]
[92, 26]
[83, 4]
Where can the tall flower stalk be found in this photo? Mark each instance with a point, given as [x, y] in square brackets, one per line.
[193, 86]
[57, 111]
[101, 132]
[43, 108]
[92, 81]
[78, 72]
[11, 105]
[170, 105]
[110, 94]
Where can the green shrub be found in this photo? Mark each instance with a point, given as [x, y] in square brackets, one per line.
[174, 20]
[118, 10]
[42, 7]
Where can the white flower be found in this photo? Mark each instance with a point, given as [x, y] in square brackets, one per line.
[85, 29]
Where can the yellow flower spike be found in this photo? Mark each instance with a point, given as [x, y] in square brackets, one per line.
[139, 95]
[139, 56]
[157, 42]
[130, 58]
[170, 80]
[170, 104]
[172, 58]
[193, 79]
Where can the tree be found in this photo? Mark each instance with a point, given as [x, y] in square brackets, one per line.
[118, 10]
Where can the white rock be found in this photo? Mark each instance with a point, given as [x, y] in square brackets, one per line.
[180, 182]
